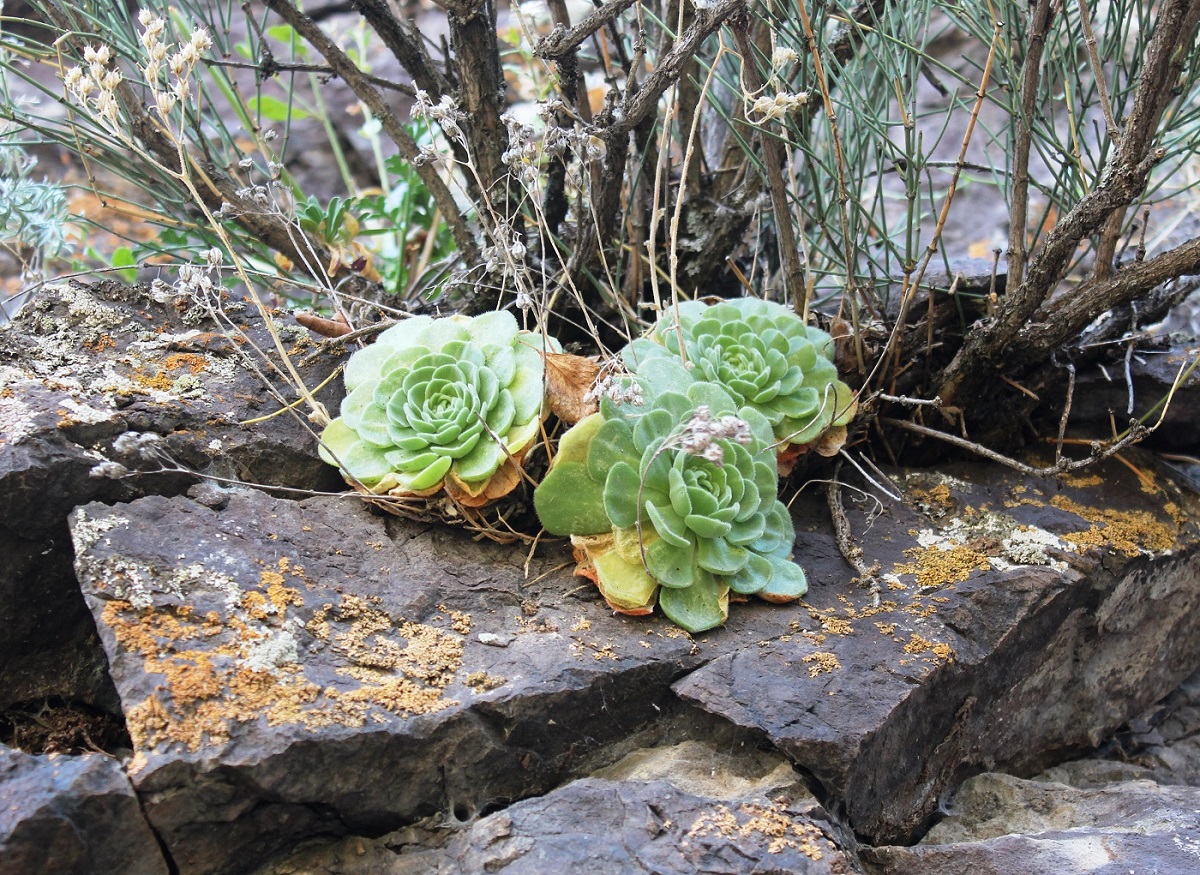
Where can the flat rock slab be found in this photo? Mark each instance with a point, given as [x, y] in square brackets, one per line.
[298, 668]
[998, 825]
[599, 827]
[1018, 624]
[290, 669]
[72, 815]
[79, 367]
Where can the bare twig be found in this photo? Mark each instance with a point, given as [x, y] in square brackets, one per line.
[773, 161]
[1123, 179]
[1040, 20]
[1136, 432]
[562, 41]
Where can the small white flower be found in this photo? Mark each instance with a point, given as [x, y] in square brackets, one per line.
[783, 56]
[164, 102]
[201, 41]
[111, 80]
[97, 55]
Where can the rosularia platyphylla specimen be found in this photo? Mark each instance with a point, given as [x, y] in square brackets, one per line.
[764, 355]
[441, 403]
[673, 499]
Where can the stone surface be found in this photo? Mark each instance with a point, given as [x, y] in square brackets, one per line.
[998, 825]
[599, 827]
[296, 668]
[80, 366]
[291, 669]
[71, 815]
[966, 665]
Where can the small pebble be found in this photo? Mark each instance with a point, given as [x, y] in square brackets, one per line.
[493, 640]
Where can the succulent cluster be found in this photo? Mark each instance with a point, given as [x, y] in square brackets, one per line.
[437, 403]
[669, 491]
[763, 355]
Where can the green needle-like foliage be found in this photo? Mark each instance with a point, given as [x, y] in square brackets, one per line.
[440, 402]
[763, 355]
[674, 499]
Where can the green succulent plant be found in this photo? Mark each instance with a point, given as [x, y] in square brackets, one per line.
[764, 355]
[673, 500]
[441, 403]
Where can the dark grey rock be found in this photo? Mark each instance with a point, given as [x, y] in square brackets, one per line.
[290, 669]
[71, 815]
[79, 367]
[891, 705]
[998, 825]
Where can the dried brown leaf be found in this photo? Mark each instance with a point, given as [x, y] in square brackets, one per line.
[568, 379]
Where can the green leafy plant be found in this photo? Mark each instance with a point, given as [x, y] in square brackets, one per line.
[763, 355]
[449, 403]
[673, 500]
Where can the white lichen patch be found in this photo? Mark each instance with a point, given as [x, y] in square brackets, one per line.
[275, 650]
[1005, 542]
[86, 532]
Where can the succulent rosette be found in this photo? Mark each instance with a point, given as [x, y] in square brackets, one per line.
[673, 500]
[764, 355]
[439, 403]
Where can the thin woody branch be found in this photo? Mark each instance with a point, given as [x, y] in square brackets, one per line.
[1123, 180]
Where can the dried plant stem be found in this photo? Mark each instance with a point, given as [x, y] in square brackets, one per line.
[1089, 41]
[1099, 451]
[774, 158]
[1031, 69]
[913, 283]
[848, 239]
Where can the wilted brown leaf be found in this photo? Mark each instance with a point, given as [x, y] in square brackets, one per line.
[831, 442]
[568, 379]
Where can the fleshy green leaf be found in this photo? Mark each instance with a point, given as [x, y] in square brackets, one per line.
[703, 605]
[569, 502]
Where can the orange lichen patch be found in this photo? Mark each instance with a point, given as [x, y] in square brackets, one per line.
[99, 343]
[886, 628]
[937, 566]
[771, 820]
[1081, 481]
[1124, 531]
[935, 501]
[820, 662]
[460, 622]
[161, 382]
[192, 361]
[481, 681]
[917, 645]
[281, 596]
[249, 670]
[836, 626]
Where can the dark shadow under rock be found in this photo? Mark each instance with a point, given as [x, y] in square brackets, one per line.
[79, 367]
[72, 816]
[600, 827]
[974, 658]
[999, 825]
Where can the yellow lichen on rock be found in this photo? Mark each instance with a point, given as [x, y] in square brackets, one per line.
[937, 566]
[1125, 531]
[771, 821]
[249, 669]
